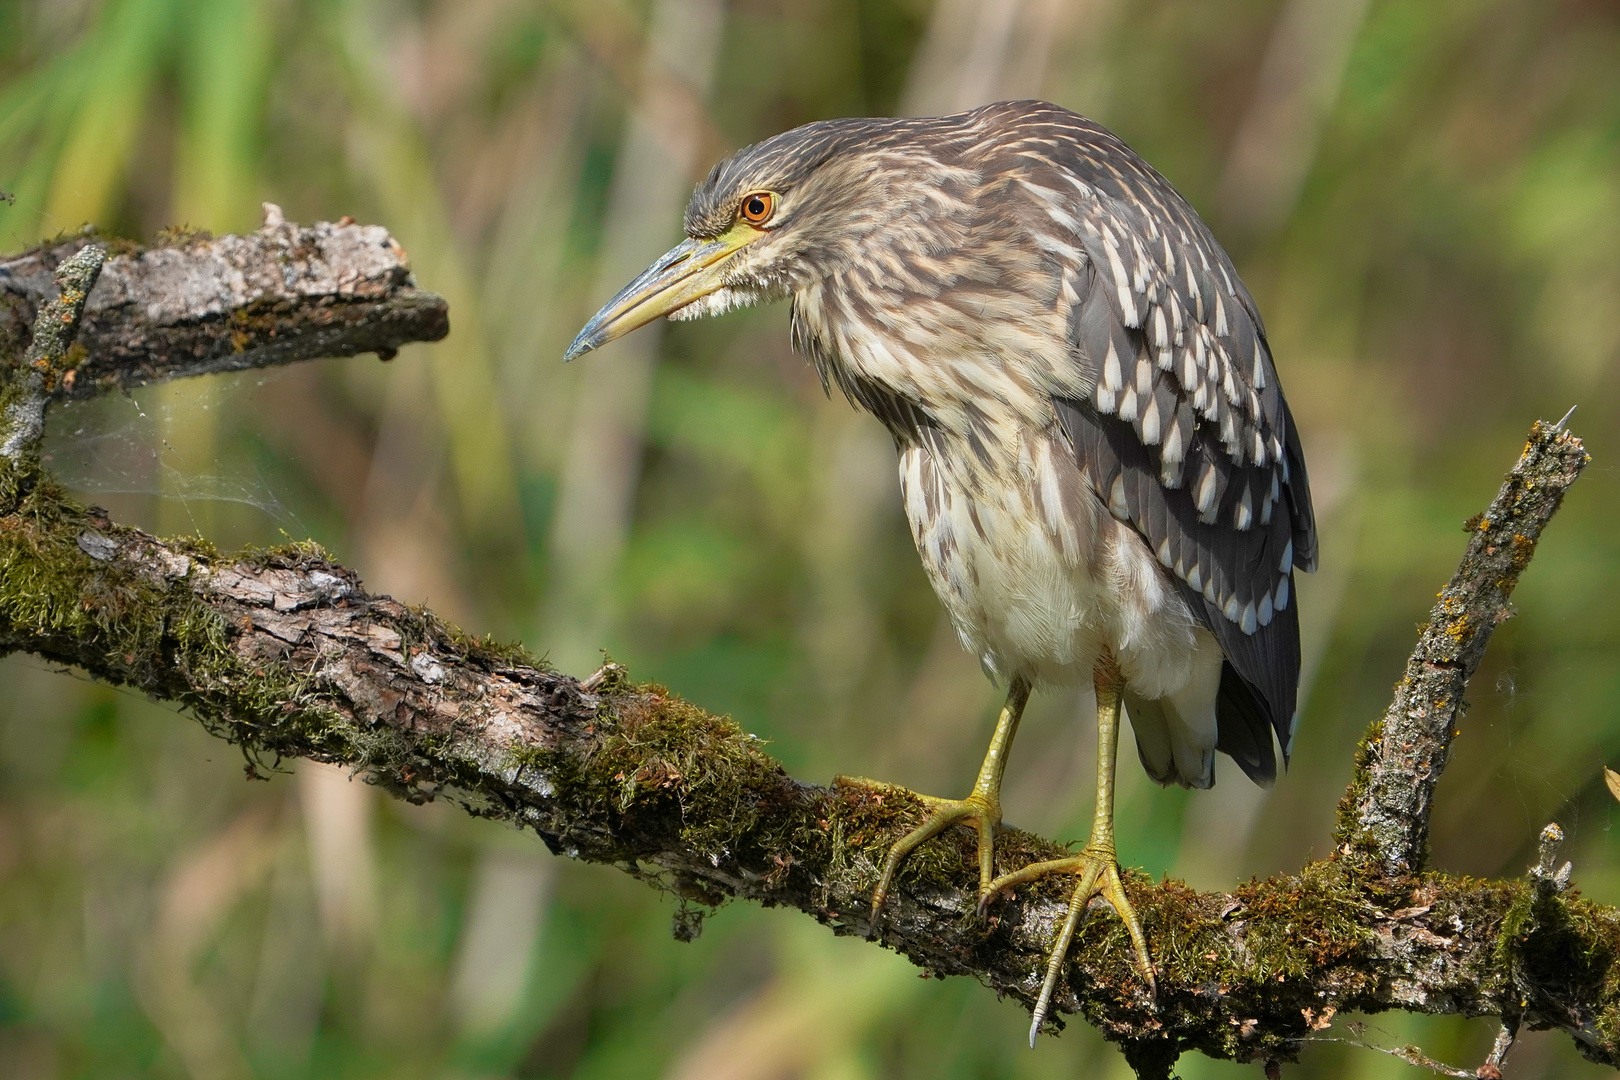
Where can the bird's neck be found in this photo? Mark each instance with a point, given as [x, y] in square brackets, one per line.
[920, 361]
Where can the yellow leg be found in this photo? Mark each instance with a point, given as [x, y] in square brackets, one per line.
[1097, 866]
[981, 809]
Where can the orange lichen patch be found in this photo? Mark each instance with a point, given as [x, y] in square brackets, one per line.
[1523, 549]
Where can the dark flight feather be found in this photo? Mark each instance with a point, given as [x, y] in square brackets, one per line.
[1185, 434]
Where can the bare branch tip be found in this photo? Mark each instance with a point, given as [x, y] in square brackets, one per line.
[80, 270]
[1551, 837]
[1547, 874]
[601, 675]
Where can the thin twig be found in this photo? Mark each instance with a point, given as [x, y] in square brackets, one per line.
[30, 384]
[1412, 1055]
[1505, 1037]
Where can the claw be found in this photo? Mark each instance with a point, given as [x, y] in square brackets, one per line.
[1099, 876]
[982, 808]
[983, 813]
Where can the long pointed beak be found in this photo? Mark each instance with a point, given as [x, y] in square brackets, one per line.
[688, 271]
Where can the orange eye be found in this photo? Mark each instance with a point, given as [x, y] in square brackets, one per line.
[757, 207]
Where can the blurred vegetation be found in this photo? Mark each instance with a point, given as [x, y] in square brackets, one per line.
[1425, 198]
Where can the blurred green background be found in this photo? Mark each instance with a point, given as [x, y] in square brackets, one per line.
[1424, 197]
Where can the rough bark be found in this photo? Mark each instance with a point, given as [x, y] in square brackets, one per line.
[285, 654]
[200, 305]
[29, 387]
[1387, 823]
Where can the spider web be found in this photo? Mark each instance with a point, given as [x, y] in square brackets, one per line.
[115, 444]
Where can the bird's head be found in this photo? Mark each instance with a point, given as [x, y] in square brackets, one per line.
[777, 216]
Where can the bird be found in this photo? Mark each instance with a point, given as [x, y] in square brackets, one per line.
[1096, 460]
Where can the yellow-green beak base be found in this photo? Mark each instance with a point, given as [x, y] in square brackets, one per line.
[687, 272]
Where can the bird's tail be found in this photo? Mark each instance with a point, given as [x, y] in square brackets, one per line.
[1174, 738]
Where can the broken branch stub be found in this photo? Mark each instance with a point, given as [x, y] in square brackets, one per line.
[204, 304]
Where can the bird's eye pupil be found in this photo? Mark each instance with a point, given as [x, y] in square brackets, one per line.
[756, 208]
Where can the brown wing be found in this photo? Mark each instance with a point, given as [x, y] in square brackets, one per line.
[1172, 404]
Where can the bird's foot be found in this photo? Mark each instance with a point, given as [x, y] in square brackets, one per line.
[978, 811]
[1098, 871]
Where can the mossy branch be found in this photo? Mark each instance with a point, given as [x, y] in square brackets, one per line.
[283, 653]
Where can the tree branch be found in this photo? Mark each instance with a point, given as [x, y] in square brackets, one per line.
[1384, 822]
[22, 412]
[285, 654]
[204, 305]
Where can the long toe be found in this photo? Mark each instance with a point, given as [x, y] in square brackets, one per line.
[1113, 890]
[1099, 875]
[973, 811]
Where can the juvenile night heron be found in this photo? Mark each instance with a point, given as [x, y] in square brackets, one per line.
[1099, 469]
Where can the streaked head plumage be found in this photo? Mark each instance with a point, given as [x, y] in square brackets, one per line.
[778, 215]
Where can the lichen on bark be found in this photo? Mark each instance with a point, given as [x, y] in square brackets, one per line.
[1384, 824]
